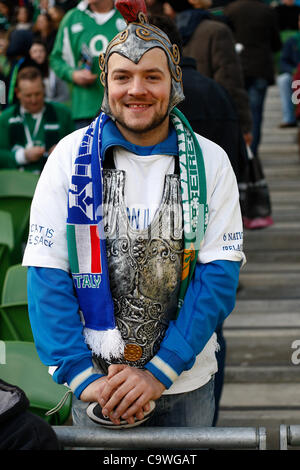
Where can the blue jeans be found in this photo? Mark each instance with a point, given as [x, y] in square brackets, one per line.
[256, 89]
[284, 81]
[190, 409]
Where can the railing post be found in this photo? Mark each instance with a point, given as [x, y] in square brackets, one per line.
[283, 438]
[262, 438]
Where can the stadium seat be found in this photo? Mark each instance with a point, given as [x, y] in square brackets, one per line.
[14, 318]
[21, 366]
[6, 244]
[14, 322]
[16, 192]
[15, 285]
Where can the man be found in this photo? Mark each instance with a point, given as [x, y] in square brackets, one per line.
[211, 44]
[83, 34]
[31, 128]
[150, 284]
[288, 63]
[257, 60]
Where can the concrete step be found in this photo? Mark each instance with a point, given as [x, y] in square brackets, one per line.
[268, 279]
[275, 131]
[271, 267]
[272, 291]
[265, 306]
[279, 147]
[237, 320]
[284, 214]
[262, 374]
[272, 239]
[288, 186]
[262, 346]
[261, 395]
[272, 137]
[279, 196]
[282, 171]
[257, 258]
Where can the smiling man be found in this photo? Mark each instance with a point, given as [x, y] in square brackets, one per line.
[142, 267]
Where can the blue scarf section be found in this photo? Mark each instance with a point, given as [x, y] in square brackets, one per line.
[86, 246]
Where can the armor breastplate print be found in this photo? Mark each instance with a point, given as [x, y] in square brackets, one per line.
[144, 266]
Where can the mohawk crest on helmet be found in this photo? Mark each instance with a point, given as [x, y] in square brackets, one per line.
[139, 37]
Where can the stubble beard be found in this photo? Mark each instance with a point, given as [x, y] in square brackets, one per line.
[157, 120]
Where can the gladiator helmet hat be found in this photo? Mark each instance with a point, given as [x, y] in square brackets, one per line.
[139, 37]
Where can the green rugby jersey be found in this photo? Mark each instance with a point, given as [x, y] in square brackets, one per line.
[79, 32]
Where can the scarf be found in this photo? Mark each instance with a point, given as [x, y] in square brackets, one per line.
[86, 239]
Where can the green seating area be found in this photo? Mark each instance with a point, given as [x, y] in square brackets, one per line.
[22, 366]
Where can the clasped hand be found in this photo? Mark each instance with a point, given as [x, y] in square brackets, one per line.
[125, 392]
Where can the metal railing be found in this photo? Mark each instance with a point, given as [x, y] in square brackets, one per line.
[289, 436]
[163, 438]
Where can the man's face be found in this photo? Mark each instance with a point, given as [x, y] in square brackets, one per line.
[31, 95]
[139, 94]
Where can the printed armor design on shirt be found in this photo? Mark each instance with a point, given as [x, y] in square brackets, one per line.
[144, 266]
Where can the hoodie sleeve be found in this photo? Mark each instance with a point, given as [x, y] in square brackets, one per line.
[57, 328]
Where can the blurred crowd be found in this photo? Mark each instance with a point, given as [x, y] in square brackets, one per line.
[245, 46]
[242, 46]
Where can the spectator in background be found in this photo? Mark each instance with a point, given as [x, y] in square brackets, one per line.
[83, 34]
[5, 66]
[288, 63]
[55, 88]
[44, 30]
[6, 14]
[20, 41]
[287, 13]
[154, 7]
[44, 5]
[254, 27]
[31, 128]
[57, 13]
[67, 4]
[24, 17]
[211, 44]
[20, 429]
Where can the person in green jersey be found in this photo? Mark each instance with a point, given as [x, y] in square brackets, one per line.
[83, 34]
[31, 128]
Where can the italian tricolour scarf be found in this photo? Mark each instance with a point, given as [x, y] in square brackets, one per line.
[85, 232]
